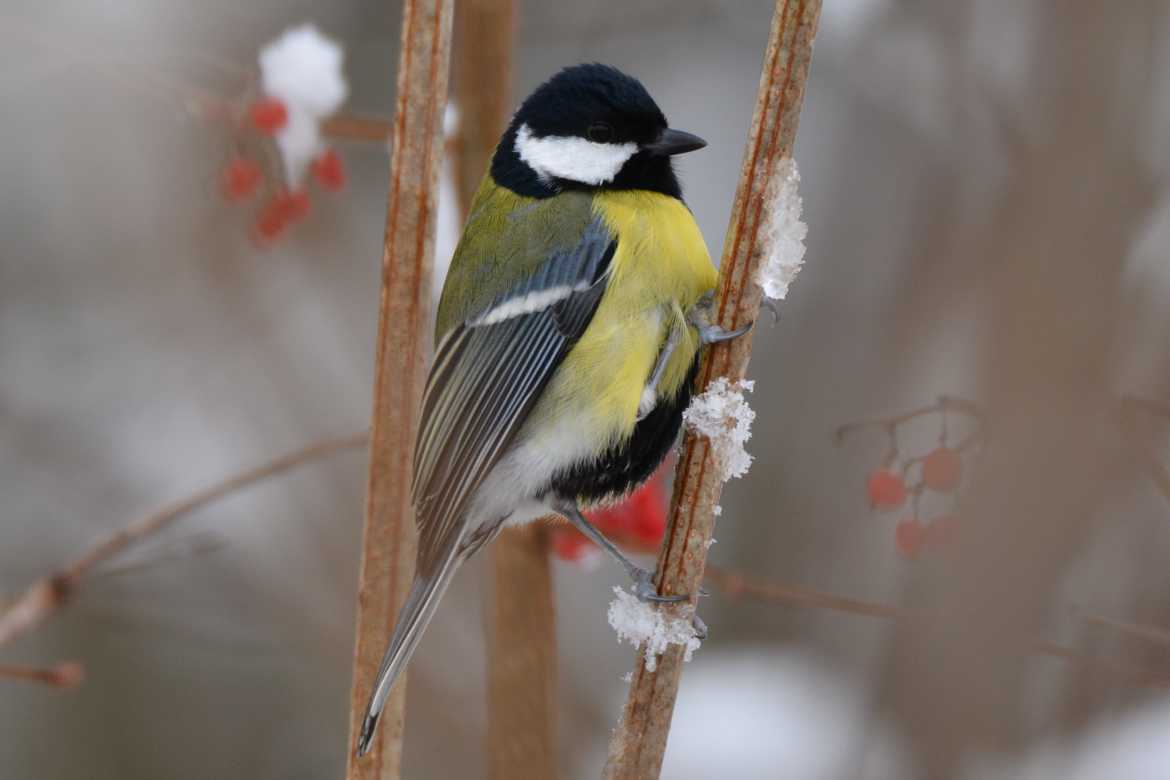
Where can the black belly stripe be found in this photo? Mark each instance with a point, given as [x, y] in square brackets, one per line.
[626, 466]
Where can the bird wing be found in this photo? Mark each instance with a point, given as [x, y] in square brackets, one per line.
[488, 373]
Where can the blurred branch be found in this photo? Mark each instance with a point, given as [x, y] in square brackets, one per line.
[145, 75]
[1153, 464]
[388, 541]
[49, 594]
[734, 586]
[639, 742]
[1136, 630]
[64, 675]
[351, 127]
[1151, 406]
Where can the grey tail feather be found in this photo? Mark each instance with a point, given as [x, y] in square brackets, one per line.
[413, 618]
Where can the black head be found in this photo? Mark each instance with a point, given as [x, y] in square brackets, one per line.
[589, 126]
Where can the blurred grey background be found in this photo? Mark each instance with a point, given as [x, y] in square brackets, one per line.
[957, 157]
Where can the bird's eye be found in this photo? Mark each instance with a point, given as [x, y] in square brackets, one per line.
[600, 132]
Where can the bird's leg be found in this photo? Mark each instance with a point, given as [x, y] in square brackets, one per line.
[650, 391]
[699, 317]
[643, 579]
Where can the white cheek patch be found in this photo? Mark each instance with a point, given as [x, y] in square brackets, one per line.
[572, 158]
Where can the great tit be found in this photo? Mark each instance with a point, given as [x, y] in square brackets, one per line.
[568, 335]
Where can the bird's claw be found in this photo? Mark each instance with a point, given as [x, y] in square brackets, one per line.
[645, 591]
[714, 334]
[770, 305]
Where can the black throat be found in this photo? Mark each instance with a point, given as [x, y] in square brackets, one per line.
[641, 172]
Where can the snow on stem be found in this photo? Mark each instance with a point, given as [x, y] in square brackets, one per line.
[783, 242]
[721, 414]
[650, 629]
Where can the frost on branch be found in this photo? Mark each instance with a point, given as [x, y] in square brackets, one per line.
[650, 629]
[303, 70]
[723, 416]
[783, 241]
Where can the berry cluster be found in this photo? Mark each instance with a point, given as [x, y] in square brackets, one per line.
[900, 481]
[636, 524]
[244, 175]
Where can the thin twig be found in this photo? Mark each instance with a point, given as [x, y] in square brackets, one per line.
[945, 403]
[49, 594]
[197, 547]
[402, 347]
[1136, 630]
[735, 585]
[639, 742]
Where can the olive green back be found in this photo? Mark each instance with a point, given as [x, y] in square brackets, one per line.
[506, 237]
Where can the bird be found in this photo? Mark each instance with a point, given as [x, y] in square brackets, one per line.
[568, 334]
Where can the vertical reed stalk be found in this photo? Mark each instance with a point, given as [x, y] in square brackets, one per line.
[639, 742]
[388, 542]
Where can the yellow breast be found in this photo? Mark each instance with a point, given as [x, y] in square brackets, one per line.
[660, 269]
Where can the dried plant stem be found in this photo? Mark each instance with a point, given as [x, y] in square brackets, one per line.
[521, 643]
[484, 41]
[388, 546]
[639, 741]
[52, 592]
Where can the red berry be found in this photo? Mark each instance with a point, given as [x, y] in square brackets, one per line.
[941, 469]
[941, 531]
[649, 514]
[886, 489]
[269, 115]
[270, 222]
[569, 544]
[650, 524]
[296, 205]
[908, 537]
[610, 520]
[68, 675]
[329, 171]
[240, 179]
[293, 206]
